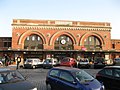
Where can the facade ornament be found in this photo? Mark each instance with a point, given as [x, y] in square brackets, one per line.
[17, 34]
[48, 35]
[78, 35]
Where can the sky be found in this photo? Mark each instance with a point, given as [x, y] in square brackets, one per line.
[74, 10]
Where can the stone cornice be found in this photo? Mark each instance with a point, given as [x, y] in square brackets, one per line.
[62, 28]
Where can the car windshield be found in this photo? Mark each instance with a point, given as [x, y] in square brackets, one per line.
[84, 60]
[28, 60]
[48, 61]
[99, 59]
[10, 77]
[117, 59]
[83, 76]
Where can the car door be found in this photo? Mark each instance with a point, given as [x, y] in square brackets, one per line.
[116, 81]
[66, 81]
[107, 77]
[53, 79]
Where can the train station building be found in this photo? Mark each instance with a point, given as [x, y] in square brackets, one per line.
[59, 38]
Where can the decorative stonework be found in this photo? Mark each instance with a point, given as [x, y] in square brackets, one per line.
[61, 28]
[18, 34]
[78, 35]
[48, 35]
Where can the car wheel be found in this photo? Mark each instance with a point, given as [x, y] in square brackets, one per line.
[34, 67]
[48, 87]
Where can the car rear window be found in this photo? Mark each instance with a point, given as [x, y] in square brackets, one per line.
[48, 61]
[117, 73]
[65, 60]
[117, 59]
[66, 76]
[108, 72]
[99, 59]
[54, 73]
[28, 60]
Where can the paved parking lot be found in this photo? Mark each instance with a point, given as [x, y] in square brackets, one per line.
[37, 76]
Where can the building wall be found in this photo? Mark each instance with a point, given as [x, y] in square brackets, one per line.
[50, 30]
[5, 43]
[115, 44]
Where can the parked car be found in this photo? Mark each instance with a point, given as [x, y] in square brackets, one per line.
[117, 61]
[69, 78]
[68, 61]
[110, 76]
[1, 63]
[84, 63]
[51, 62]
[99, 62]
[13, 80]
[33, 63]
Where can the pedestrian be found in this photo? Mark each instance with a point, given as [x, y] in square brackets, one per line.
[18, 61]
[6, 60]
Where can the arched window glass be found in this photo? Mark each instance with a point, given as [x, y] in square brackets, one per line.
[92, 43]
[38, 38]
[28, 38]
[33, 42]
[63, 43]
[33, 38]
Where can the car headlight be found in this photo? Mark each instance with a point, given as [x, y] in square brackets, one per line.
[34, 89]
[103, 87]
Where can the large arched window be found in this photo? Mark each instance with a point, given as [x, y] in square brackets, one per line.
[33, 42]
[92, 43]
[63, 43]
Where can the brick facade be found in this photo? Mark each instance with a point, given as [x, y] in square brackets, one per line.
[50, 30]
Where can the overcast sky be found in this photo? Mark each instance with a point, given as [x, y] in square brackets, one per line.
[75, 10]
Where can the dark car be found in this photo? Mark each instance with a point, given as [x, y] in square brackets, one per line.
[99, 62]
[110, 76]
[49, 63]
[68, 61]
[117, 61]
[13, 80]
[69, 78]
[84, 63]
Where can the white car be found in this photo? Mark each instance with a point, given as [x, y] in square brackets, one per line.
[1, 63]
[84, 63]
[33, 63]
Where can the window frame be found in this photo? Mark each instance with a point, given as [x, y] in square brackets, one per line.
[109, 70]
[114, 71]
[67, 76]
[57, 75]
